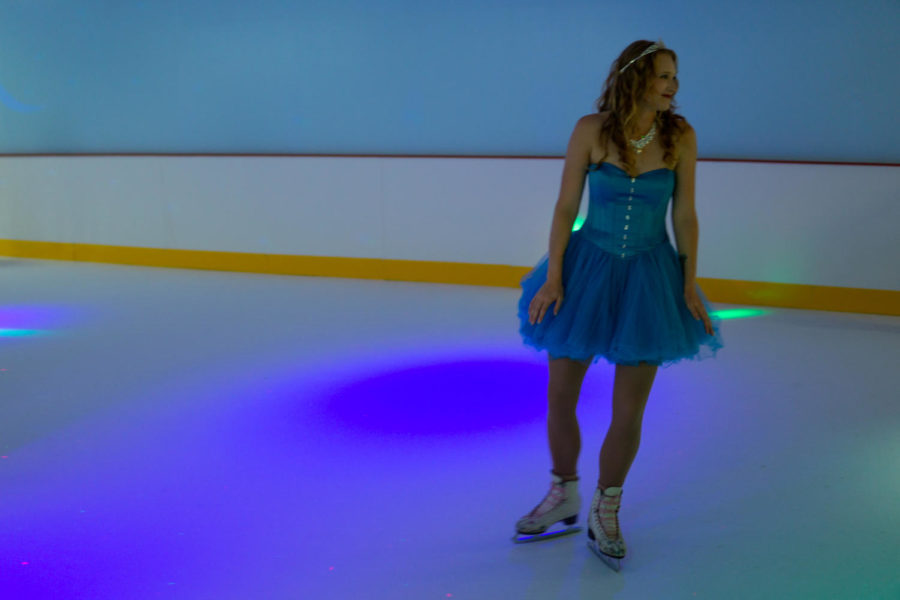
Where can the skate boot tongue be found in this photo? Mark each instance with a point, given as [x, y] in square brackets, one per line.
[612, 491]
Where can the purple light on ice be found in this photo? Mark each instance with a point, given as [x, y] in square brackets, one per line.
[31, 317]
[442, 399]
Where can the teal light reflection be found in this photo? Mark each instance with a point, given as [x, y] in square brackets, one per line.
[19, 332]
[738, 313]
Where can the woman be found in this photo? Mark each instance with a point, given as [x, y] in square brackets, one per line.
[616, 289]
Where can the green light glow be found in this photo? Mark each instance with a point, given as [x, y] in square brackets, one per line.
[738, 313]
[18, 332]
[578, 223]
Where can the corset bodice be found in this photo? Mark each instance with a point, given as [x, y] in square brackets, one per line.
[627, 214]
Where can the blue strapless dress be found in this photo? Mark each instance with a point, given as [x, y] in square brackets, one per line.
[623, 289]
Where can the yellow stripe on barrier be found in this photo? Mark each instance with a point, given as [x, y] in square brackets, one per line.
[756, 293]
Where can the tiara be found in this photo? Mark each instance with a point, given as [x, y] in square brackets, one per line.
[650, 49]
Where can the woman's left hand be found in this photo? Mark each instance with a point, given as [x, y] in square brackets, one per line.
[695, 305]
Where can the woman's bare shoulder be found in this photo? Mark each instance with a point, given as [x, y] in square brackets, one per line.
[687, 137]
[593, 120]
[683, 128]
[686, 146]
[589, 126]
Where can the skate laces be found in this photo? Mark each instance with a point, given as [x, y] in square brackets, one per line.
[607, 511]
[554, 498]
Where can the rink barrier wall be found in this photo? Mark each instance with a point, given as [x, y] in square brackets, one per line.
[757, 293]
[805, 235]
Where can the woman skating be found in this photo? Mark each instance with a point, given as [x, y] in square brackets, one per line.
[616, 289]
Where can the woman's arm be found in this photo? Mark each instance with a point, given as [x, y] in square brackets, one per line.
[685, 226]
[684, 215]
[578, 156]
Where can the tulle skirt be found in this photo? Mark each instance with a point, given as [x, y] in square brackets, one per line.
[624, 310]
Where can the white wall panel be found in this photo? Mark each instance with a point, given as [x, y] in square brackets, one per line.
[800, 223]
[275, 205]
[469, 210]
[790, 223]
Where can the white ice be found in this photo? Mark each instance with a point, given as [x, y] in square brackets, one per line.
[192, 434]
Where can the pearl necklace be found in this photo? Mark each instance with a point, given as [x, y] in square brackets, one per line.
[638, 145]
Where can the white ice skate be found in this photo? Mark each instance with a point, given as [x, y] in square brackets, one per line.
[603, 527]
[561, 503]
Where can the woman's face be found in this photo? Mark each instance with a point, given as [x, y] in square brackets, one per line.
[663, 84]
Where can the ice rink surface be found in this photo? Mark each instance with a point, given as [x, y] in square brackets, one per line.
[204, 435]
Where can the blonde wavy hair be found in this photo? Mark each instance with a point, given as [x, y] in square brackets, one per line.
[620, 97]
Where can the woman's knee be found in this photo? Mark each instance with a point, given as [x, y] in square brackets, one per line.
[564, 386]
[563, 399]
[628, 423]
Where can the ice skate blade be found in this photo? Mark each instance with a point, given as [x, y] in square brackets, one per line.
[610, 561]
[528, 538]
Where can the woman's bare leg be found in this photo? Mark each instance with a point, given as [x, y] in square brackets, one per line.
[631, 389]
[566, 376]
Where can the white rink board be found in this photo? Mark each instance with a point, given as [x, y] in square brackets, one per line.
[787, 223]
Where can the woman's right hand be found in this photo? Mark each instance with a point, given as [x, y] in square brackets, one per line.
[551, 292]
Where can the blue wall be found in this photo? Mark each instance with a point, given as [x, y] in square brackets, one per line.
[772, 79]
